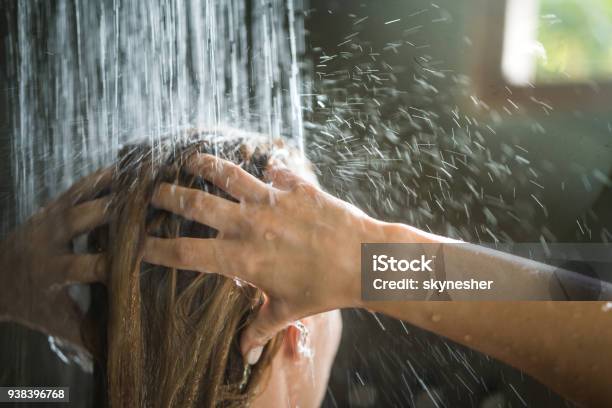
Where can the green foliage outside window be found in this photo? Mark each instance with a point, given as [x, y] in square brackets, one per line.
[577, 37]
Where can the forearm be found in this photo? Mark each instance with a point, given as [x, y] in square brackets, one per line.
[561, 344]
[508, 277]
[558, 343]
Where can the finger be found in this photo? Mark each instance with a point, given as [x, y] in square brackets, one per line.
[199, 206]
[283, 178]
[268, 322]
[87, 187]
[85, 217]
[196, 254]
[229, 177]
[87, 268]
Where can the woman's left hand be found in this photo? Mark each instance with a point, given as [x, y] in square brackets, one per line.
[37, 262]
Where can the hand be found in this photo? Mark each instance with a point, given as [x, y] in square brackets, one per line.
[298, 244]
[37, 262]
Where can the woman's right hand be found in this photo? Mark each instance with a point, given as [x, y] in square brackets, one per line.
[298, 244]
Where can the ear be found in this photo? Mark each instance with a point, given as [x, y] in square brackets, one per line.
[290, 343]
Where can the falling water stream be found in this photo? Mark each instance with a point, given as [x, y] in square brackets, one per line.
[93, 75]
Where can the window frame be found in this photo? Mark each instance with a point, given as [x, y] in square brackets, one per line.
[490, 86]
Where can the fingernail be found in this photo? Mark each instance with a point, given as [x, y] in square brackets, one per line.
[254, 354]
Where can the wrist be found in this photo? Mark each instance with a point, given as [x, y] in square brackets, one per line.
[376, 231]
[402, 233]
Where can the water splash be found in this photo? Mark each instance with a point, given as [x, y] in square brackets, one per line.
[426, 160]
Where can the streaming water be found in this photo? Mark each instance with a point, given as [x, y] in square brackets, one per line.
[92, 75]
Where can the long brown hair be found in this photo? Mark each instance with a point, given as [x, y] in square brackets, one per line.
[165, 337]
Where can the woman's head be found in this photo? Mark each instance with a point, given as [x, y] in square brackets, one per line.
[170, 337]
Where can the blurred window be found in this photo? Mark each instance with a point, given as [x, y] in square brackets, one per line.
[557, 41]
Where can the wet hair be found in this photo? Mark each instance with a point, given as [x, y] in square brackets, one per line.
[163, 337]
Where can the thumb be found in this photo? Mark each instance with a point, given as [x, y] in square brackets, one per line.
[268, 322]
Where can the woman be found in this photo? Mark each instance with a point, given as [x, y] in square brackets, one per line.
[164, 337]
